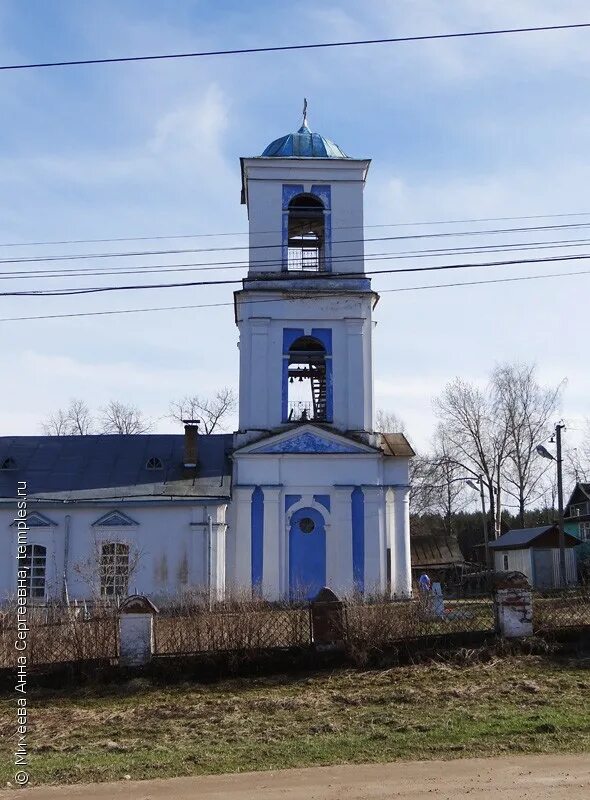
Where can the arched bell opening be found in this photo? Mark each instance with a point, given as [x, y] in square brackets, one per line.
[306, 234]
[307, 381]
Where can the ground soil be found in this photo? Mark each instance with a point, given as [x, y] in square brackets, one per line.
[508, 778]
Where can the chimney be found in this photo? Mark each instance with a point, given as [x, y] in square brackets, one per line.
[191, 432]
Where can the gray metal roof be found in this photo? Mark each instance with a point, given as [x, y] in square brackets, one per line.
[522, 537]
[303, 144]
[95, 467]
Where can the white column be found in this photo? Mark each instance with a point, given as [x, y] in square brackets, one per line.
[242, 578]
[339, 575]
[271, 560]
[215, 532]
[401, 567]
[390, 535]
[258, 376]
[374, 539]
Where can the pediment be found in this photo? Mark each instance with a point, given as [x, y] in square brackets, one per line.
[115, 519]
[307, 440]
[35, 519]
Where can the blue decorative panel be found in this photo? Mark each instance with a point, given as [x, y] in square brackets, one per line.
[290, 500]
[290, 335]
[291, 190]
[324, 193]
[358, 538]
[307, 443]
[115, 519]
[257, 533]
[307, 553]
[323, 500]
[324, 335]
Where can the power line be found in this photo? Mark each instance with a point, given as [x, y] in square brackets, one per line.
[264, 233]
[205, 266]
[286, 277]
[263, 300]
[289, 47]
[233, 248]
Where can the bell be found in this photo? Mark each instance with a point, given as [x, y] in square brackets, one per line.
[291, 379]
[300, 379]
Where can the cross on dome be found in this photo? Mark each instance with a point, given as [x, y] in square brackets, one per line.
[303, 144]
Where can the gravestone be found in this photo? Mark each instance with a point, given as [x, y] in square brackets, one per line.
[328, 620]
[136, 630]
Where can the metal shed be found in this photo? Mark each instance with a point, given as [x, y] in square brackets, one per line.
[535, 552]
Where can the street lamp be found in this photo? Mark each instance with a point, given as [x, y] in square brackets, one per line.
[544, 453]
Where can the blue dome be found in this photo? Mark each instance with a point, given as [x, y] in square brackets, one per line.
[303, 144]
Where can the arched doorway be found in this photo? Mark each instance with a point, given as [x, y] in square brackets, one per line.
[307, 553]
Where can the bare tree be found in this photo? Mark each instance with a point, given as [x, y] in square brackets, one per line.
[524, 409]
[388, 422]
[213, 412]
[75, 420]
[117, 417]
[435, 485]
[476, 437]
[578, 460]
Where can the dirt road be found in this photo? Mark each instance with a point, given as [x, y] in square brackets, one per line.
[513, 778]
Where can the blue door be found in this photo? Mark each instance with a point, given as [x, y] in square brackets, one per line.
[307, 553]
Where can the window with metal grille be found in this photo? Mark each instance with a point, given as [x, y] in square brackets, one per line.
[154, 463]
[114, 569]
[35, 562]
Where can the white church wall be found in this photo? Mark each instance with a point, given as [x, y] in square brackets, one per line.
[168, 548]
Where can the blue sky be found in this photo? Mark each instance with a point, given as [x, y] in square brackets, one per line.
[484, 127]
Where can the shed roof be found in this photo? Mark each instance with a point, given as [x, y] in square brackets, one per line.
[430, 550]
[524, 537]
[396, 444]
[105, 466]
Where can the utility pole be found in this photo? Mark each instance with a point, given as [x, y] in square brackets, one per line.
[562, 574]
[484, 522]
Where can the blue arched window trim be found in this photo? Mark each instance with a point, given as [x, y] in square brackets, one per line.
[324, 195]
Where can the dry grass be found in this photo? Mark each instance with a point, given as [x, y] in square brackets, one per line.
[437, 710]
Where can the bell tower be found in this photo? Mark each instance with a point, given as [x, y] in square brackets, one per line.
[304, 311]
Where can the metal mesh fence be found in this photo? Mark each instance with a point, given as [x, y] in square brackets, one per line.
[380, 623]
[72, 639]
[561, 609]
[211, 631]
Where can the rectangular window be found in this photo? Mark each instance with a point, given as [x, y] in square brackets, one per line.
[35, 561]
[505, 562]
[585, 531]
[114, 569]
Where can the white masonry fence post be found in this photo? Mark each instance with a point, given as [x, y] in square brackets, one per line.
[136, 631]
[513, 605]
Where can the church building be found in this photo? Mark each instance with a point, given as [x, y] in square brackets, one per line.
[305, 494]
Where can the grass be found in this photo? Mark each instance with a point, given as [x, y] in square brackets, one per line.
[436, 710]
